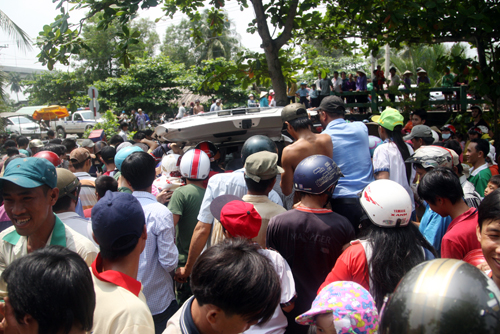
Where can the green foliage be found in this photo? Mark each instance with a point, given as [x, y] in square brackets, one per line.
[58, 88]
[110, 125]
[192, 41]
[149, 84]
[227, 89]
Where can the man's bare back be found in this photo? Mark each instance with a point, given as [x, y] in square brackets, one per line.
[197, 109]
[306, 145]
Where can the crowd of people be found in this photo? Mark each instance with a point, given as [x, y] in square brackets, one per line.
[137, 236]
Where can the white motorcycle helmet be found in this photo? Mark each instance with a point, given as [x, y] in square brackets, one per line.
[170, 165]
[386, 203]
[195, 164]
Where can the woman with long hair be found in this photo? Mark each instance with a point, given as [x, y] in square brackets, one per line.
[389, 158]
[389, 247]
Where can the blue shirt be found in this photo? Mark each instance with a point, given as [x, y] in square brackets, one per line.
[433, 227]
[264, 102]
[351, 153]
[303, 92]
[313, 93]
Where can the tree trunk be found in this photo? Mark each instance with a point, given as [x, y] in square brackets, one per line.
[277, 78]
[271, 47]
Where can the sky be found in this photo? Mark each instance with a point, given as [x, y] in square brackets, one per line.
[32, 15]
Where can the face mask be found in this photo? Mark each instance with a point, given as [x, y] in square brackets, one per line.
[446, 135]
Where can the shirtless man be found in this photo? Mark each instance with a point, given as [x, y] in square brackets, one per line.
[306, 143]
[198, 108]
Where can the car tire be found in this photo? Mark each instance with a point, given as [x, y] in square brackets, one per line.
[89, 127]
[60, 132]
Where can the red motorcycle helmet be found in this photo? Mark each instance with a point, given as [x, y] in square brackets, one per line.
[51, 156]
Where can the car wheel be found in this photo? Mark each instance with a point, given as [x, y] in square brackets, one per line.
[60, 132]
[89, 127]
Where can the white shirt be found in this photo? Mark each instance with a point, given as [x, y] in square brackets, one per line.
[123, 134]
[181, 112]
[278, 323]
[337, 84]
[273, 103]
[230, 184]
[394, 81]
[160, 255]
[77, 223]
[387, 158]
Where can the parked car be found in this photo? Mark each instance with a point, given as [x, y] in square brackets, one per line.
[77, 123]
[23, 125]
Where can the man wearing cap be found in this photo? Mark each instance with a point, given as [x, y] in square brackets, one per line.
[69, 189]
[420, 135]
[89, 145]
[307, 143]
[240, 219]
[351, 153]
[303, 93]
[160, 256]
[251, 103]
[34, 146]
[221, 184]
[261, 169]
[81, 160]
[120, 230]
[29, 189]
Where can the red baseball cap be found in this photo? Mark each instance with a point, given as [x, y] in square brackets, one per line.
[239, 218]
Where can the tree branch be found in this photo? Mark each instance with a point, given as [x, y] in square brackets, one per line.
[287, 31]
[262, 27]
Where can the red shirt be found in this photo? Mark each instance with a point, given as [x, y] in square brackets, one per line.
[350, 266]
[460, 237]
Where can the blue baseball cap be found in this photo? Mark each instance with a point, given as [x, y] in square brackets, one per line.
[30, 173]
[114, 216]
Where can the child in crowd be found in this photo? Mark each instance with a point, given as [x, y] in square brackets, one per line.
[493, 184]
[340, 308]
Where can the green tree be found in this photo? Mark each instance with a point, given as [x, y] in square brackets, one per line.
[57, 88]
[150, 84]
[178, 44]
[22, 39]
[15, 83]
[98, 60]
[289, 17]
[231, 93]
[191, 42]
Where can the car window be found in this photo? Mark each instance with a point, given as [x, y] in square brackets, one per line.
[77, 117]
[19, 120]
[88, 115]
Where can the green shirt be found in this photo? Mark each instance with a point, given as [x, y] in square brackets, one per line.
[186, 202]
[480, 180]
